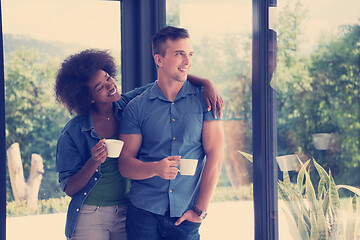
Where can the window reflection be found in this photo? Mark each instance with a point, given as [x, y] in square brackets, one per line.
[317, 117]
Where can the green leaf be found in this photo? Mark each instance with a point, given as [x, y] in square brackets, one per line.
[321, 188]
[334, 205]
[300, 177]
[303, 229]
[286, 178]
[292, 226]
[326, 202]
[323, 174]
[333, 194]
[246, 155]
[314, 232]
[321, 223]
[350, 226]
[350, 188]
[291, 199]
[310, 192]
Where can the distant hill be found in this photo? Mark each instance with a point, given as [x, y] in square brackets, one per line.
[53, 49]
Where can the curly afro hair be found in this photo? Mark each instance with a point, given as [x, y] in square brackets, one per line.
[71, 86]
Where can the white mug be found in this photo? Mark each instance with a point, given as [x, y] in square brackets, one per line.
[113, 147]
[187, 166]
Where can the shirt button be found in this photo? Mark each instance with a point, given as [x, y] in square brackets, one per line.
[97, 170]
[174, 138]
[173, 119]
[77, 210]
[95, 179]
[85, 193]
[172, 103]
[170, 191]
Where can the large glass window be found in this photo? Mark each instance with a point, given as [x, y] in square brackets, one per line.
[221, 36]
[314, 111]
[37, 36]
[317, 106]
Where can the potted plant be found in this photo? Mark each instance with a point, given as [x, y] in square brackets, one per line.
[319, 214]
[322, 140]
[288, 162]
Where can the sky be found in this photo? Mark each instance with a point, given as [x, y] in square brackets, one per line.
[98, 24]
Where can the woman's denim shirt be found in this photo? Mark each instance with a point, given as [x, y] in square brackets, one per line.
[74, 146]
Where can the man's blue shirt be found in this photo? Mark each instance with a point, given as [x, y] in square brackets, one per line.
[167, 129]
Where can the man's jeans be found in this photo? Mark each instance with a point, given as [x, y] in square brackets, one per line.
[101, 223]
[144, 225]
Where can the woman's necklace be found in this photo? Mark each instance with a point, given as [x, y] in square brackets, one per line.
[103, 116]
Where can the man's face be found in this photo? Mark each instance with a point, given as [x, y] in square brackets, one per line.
[272, 57]
[177, 60]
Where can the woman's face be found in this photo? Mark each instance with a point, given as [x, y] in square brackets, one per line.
[103, 88]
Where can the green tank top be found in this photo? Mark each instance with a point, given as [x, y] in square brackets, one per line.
[112, 189]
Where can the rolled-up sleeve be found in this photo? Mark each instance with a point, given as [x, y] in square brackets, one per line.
[68, 159]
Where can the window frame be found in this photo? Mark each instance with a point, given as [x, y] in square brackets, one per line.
[140, 19]
[264, 165]
[2, 140]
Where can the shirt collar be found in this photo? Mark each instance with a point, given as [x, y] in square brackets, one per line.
[87, 122]
[187, 89]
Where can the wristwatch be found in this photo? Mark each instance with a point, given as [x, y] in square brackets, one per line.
[200, 213]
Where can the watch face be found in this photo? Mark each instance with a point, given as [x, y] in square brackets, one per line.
[203, 215]
[200, 213]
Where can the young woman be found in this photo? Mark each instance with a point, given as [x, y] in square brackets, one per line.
[85, 85]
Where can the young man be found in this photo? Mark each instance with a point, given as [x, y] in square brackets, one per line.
[168, 122]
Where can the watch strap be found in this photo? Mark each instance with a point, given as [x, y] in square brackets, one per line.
[202, 214]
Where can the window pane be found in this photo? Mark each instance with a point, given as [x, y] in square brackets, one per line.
[38, 35]
[317, 97]
[221, 36]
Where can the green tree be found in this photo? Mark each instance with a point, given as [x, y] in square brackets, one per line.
[173, 12]
[291, 76]
[335, 71]
[319, 93]
[324, 97]
[31, 115]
